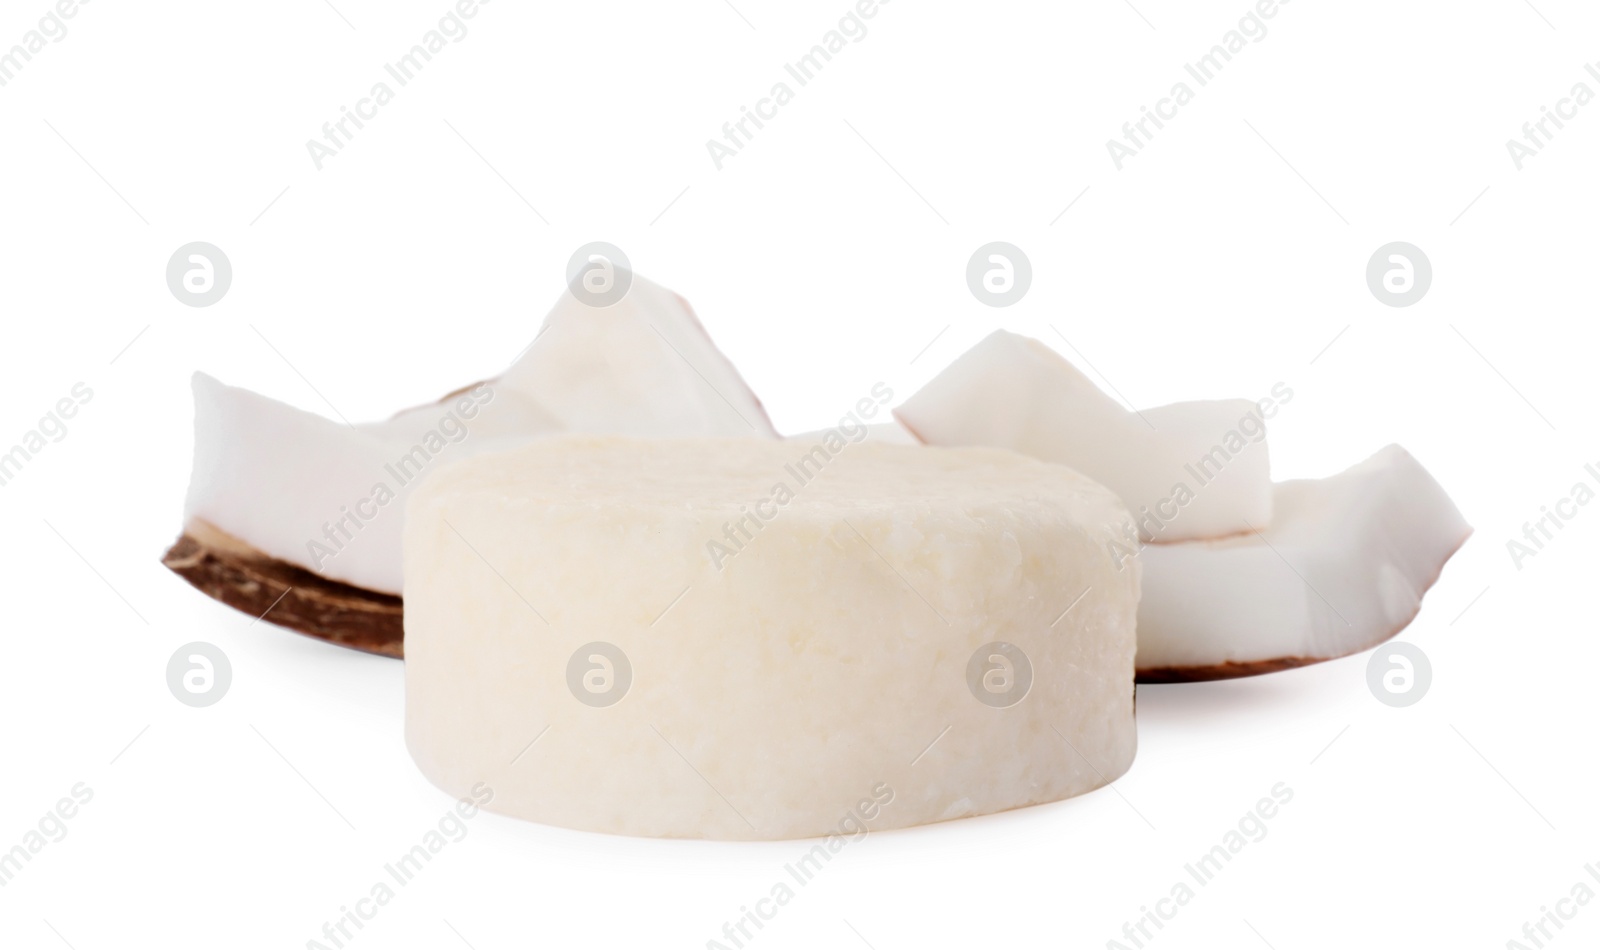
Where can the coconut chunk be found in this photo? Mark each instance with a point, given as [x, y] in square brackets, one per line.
[1342, 568]
[734, 639]
[280, 494]
[643, 366]
[328, 497]
[1186, 470]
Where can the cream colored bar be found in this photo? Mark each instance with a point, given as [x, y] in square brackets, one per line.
[742, 639]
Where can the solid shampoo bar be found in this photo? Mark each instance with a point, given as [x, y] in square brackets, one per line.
[711, 638]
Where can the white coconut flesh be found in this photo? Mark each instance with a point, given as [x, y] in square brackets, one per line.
[1186, 470]
[643, 366]
[330, 497]
[1343, 567]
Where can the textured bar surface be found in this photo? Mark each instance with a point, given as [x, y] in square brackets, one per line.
[767, 688]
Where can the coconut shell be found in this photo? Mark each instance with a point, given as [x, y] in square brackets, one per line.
[227, 569]
[1224, 671]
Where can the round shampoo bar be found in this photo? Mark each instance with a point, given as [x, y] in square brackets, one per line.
[751, 639]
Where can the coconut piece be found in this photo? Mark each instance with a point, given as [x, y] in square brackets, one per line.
[1186, 470]
[324, 554]
[1342, 568]
[939, 627]
[328, 497]
[280, 496]
[643, 366]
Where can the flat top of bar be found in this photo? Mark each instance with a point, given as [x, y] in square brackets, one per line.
[718, 474]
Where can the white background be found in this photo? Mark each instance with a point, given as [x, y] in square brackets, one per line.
[828, 255]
